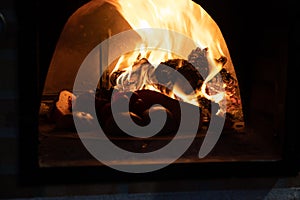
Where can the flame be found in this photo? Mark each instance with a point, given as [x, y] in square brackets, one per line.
[184, 17]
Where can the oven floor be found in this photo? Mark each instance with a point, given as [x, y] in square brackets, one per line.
[57, 148]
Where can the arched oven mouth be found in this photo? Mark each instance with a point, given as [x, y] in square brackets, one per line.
[193, 74]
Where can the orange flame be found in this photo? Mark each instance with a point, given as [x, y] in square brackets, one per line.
[184, 17]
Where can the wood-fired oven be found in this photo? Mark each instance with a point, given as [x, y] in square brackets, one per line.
[219, 66]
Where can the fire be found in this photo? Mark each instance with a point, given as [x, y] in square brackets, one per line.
[184, 17]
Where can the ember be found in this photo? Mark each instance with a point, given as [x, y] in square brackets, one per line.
[136, 61]
[132, 90]
[143, 75]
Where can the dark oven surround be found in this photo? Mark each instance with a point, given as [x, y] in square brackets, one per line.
[257, 39]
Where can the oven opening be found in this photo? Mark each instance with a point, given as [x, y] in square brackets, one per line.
[150, 77]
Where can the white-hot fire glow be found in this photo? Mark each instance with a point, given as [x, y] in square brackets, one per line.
[184, 17]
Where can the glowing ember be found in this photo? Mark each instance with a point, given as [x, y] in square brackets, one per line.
[138, 69]
[167, 38]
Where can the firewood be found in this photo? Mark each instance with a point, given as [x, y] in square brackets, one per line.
[198, 58]
[189, 72]
[62, 105]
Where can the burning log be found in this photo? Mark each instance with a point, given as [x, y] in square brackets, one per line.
[143, 73]
[198, 59]
[185, 68]
[132, 89]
